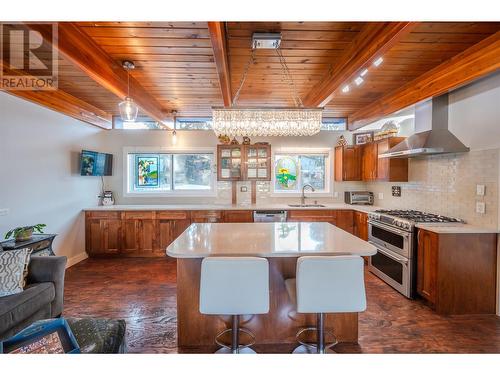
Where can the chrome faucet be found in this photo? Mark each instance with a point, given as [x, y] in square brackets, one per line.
[303, 198]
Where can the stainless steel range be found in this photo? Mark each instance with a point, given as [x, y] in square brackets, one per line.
[393, 233]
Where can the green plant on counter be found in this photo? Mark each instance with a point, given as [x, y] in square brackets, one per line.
[24, 233]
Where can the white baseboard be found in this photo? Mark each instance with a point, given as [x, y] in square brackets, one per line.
[76, 259]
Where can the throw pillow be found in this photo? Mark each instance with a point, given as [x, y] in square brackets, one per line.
[13, 271]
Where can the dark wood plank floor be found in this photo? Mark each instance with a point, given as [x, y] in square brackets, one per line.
[142, 291]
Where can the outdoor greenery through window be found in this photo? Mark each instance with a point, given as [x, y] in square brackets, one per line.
[170, 172]
[293, 171]
[205, 123]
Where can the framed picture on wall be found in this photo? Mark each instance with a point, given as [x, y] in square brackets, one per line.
[362, 138]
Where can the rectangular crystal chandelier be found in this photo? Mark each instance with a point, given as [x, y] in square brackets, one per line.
[266, 122]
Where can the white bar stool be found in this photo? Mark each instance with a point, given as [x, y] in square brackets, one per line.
[326, 284]
[234, 286]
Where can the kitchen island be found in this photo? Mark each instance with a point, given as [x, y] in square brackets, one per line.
[281, 244]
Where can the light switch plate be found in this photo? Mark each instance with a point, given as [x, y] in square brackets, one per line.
[480, 207]
[480, 190]
[243, 189]
[4, 211]
[380, 195]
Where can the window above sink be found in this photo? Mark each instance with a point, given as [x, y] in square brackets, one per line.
[293, 169]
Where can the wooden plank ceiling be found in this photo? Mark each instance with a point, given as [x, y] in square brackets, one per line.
[176, 65]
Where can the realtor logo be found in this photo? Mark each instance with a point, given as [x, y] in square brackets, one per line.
[28, 56]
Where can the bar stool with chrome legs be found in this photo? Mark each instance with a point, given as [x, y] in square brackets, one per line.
[326, 284]
[234, 286]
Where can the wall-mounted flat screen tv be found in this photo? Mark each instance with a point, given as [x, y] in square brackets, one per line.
[96, 164]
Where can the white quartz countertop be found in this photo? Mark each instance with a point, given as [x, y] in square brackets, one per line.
[226, 207]
[267, 240]
[454, 228]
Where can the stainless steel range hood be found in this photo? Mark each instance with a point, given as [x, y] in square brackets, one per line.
[432, 134]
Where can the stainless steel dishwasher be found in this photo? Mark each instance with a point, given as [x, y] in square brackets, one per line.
[269, 216]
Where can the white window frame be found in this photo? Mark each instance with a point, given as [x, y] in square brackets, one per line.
[212, 192]
[327, 192]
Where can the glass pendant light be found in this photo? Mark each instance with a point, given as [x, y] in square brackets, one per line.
[128, 108]
[174, 132]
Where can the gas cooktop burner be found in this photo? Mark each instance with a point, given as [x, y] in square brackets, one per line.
[419, 216]
[406, 219]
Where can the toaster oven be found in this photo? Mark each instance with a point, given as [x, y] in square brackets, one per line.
[358, 197]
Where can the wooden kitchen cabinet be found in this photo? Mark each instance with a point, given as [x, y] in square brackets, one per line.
[369, 161]
[209, 216]
[328, 216]
[348, 163]
[456, 272]
[170, 225]
[230, 162]
[361, 225]
[257, 162]
[139, 233]
[374, 168]
[103, 233]
[345, 220]
[362, 163]
[391, 169]
[427, 256]
[340, 218]
[244, 162]
[238, 216]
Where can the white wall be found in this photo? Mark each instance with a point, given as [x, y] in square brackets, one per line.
[39, 172]
[474, 113]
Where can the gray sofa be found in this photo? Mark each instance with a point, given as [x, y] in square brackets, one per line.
[41, 299]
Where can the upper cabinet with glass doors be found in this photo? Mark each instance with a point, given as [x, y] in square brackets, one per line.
[244, 162]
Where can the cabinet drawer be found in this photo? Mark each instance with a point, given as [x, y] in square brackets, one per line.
[172, 215]
[145, 215]
[238, 216]
[104, 214]
[320, 215]
[206, 214]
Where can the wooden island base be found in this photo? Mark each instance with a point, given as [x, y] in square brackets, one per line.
[275, 329]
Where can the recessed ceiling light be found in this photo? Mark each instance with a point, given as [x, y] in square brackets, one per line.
[359, 81]
[363, 73]
[378, 61]
[345, 88]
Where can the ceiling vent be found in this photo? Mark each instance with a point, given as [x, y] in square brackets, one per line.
[266, 40]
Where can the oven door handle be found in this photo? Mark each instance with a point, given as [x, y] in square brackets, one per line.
[389, 255]
[389, 229]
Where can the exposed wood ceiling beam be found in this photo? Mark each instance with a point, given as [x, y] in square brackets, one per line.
[218, 37]
[373, 41]
[79, 48]
[61, 101]
[480, 59]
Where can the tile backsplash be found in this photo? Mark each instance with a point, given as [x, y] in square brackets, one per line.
[446, 185]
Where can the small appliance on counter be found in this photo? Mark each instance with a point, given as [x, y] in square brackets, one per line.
[107, 198]
[358, 197]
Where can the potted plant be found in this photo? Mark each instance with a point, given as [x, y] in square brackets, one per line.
[24, 233]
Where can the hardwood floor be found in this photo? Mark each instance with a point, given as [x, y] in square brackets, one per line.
[143, 292]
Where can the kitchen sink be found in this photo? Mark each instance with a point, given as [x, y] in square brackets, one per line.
[306, 205]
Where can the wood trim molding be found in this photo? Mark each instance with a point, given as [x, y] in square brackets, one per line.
[479, 60]
[61, 101]
[79, 48]
[373, 41]
[219, 45]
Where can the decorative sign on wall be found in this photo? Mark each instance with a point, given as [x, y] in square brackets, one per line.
[147, 167]
[286, 173]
